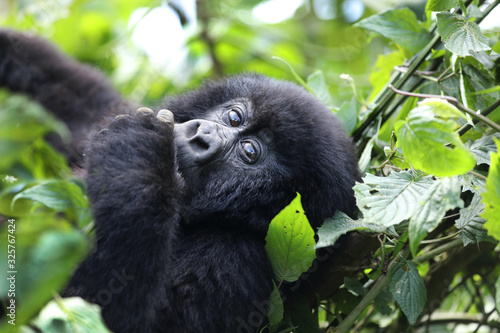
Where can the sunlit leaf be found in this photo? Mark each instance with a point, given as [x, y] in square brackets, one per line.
[440, 5]
[290, 242]
[389, 200]
[70, 315]
[431, 144]
[491, 197]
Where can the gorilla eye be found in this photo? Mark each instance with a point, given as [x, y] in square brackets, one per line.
[250, 151]
[234, 118]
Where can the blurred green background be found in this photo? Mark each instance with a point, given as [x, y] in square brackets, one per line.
[152, 48]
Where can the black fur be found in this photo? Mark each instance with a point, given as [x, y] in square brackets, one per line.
[178, 251]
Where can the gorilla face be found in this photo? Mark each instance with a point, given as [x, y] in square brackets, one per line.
[246, 145]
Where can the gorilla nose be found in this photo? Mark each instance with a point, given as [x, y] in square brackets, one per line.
[200, 139]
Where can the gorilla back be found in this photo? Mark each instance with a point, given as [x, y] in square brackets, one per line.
[182, 199]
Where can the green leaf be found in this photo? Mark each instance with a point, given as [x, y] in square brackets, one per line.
[290, 242]
[316, 82]
[491, 197]
[339, 225]
[381, 73]
[431, 144]
[482, 147]
[401, 26]
[461, 36]
[348, 114]
[365, 158]
[443, 109]
[470, 223]
[408, 289]
[442, 196]
[440, 5]
[70, 315]
[276, 311]
[497, 294]
[61, 196]
[389, 200]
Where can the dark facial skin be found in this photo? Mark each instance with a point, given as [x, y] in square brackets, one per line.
[221, 136]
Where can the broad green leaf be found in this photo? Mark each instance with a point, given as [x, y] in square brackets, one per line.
[431, 144]
[276, 311]
[381, 73]
[399, 25]
[408, 289]
[442, 196]
[389, 200]
[316, 82]
[440, 5]
[339, 225]
[491, 197]
[70, 315]
[482, 147]
[290, 242]
[348, 114]
[461, 36]
[443, 108]
[470, 223]
[61, 196]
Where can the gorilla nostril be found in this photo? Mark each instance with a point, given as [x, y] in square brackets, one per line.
[199, 145]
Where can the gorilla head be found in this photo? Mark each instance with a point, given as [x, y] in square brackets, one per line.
[251, 142]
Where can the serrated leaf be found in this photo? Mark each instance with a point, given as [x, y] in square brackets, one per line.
[442, 196]
[389, 200]
[482, 147]
[70, 315]
[316, 82]
[61, 196]
[399, 25]
[470, 223]
[408, 289]
[491, 197]
[460, 36]
[276, 311]
[472, 183]
[440, 5]
[339, 225]
[290, 242]
[431, 144]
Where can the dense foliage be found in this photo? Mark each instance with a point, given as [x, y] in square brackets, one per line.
[425, 118]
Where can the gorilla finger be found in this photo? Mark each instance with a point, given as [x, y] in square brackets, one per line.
[121, 116]
[144, 111]
[166, 116]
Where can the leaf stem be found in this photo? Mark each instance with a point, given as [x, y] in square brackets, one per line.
[439, 250]
[381, 283]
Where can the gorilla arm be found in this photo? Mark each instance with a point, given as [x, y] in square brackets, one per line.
[75, 93]
[134, 190]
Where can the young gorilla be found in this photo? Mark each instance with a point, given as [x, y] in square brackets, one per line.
[181, 208]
